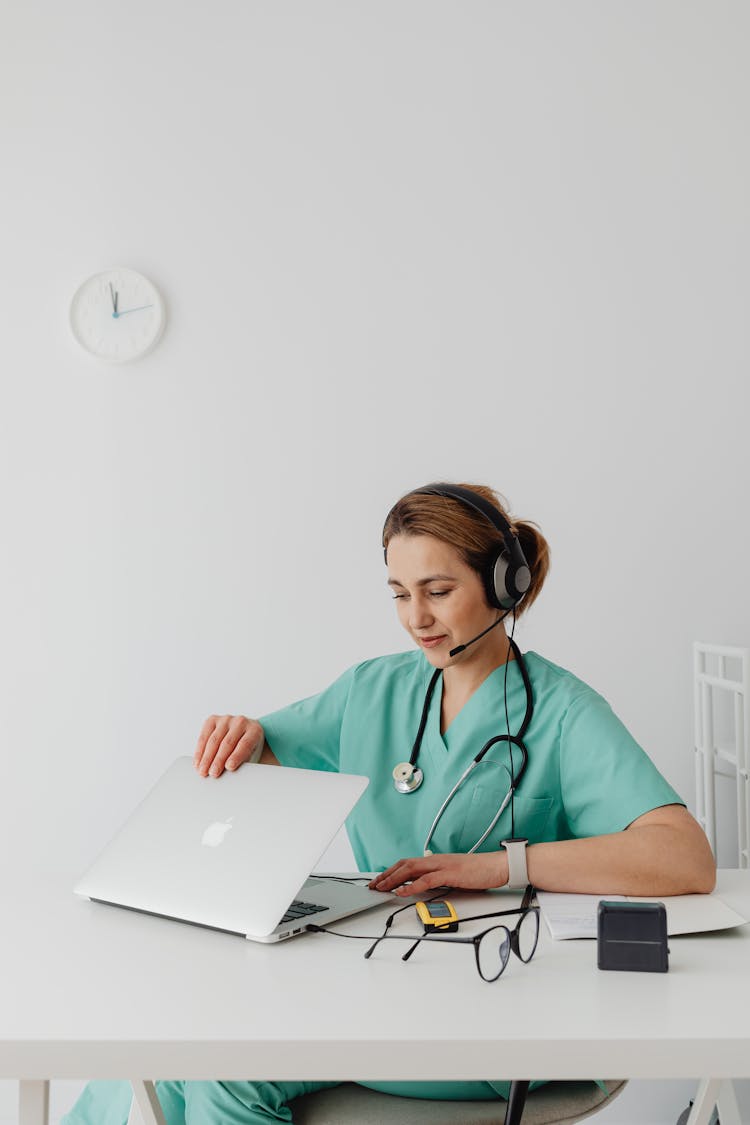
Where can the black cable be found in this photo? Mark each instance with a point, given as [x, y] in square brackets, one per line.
[525, 906]
[388, 923]
[507, 728]
[313, 929]
[423, 721]
[351, 879]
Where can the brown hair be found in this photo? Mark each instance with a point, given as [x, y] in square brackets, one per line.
[469, 532]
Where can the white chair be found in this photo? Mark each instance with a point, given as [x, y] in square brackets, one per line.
[721, 692]
[555, 1103]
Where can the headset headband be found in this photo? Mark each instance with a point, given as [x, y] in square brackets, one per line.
[478, 503]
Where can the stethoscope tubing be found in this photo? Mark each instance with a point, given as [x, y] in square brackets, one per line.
[472, 766]
[512, 740]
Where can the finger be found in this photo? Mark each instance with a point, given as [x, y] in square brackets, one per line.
[390, 877]
[243, 751]
[206, 729]
[403, 871]
[428, 882]
[445, 869]
[237, 727]
[223, 750]
[212, 744]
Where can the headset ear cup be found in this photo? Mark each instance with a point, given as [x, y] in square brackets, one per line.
[504, 598]
[511, 576]
[510, 582]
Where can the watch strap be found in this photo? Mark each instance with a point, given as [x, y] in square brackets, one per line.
[518, 876]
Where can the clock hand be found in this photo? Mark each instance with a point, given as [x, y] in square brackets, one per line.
[138, 309]
[115, 297]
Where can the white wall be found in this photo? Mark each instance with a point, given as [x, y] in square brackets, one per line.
[398, 241]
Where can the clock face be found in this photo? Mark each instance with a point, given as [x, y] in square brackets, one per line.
[117, 315]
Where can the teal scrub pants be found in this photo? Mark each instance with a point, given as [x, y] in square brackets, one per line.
[246, 1103]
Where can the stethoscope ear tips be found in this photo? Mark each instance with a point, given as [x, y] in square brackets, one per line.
[407, 778]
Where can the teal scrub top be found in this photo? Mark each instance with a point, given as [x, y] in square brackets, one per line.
[586, 774]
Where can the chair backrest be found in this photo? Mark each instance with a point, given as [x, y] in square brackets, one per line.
[555, 1103]
[721, 693]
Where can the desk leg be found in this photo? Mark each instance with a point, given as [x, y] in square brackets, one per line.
[33, 1103]
[145, 1108]
[719, 1093]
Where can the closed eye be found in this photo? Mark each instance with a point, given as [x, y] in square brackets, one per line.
[430, 594]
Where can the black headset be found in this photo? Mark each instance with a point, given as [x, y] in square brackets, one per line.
[506, 577]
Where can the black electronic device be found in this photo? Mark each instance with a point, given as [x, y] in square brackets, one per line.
[632, 936]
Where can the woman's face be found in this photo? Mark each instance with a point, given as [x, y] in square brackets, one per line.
[440, 600]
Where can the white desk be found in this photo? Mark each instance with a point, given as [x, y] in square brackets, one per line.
[90, 991]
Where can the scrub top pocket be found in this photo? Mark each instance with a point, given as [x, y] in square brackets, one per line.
[531, 816]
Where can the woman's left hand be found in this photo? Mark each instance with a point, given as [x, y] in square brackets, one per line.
[477, 872]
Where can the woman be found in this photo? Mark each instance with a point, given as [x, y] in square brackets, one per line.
[597, 814]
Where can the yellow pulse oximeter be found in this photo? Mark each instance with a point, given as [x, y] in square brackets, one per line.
[437, 916]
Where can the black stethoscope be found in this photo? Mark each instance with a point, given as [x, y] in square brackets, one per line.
[407, 776]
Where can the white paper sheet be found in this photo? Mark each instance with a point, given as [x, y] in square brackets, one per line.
[575, 916]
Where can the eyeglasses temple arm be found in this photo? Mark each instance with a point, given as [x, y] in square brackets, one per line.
[528, 895]
[411, 949]
[369, 952]
[388, 924]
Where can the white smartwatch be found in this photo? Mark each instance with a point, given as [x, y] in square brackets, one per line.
[518, 876]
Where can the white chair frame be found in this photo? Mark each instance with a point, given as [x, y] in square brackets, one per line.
[713, 688]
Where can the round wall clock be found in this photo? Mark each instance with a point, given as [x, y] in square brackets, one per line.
[117, 315]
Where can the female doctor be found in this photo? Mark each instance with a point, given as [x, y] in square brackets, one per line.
[449, 734]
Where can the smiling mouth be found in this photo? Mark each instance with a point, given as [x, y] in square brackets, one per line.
[430, 642]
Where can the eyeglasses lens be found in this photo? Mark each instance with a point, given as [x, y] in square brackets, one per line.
[528, 934]
[493, 952]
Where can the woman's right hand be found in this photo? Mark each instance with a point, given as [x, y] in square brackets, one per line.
[226, 742]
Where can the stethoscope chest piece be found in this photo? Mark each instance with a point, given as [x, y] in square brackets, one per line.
[407, 778]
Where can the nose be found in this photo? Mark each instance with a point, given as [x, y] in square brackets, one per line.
[420, 614]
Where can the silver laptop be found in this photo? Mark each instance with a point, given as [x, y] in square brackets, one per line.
[233, 853]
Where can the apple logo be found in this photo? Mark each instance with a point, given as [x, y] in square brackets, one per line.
[215, 833]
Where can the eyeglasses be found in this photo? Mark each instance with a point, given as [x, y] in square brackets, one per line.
[492, 947]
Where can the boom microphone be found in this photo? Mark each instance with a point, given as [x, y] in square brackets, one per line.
[461, 648]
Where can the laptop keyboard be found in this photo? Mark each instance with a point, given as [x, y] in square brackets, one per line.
[300, 909]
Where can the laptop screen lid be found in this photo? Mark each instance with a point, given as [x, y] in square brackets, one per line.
[228, 852]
